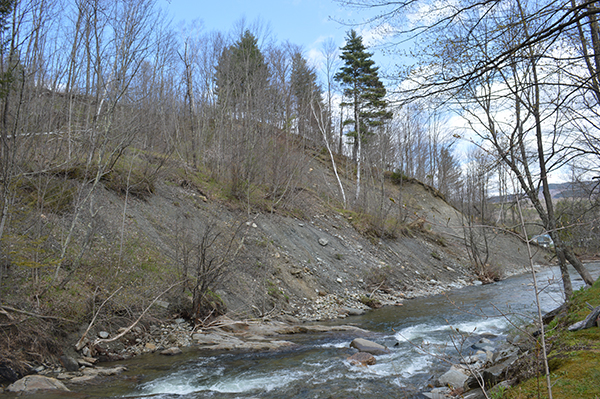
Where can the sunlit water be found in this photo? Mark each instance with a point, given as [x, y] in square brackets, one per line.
[422, 335]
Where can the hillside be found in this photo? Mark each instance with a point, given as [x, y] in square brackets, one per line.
[201, 252]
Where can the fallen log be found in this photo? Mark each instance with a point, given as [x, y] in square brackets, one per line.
[589, 322]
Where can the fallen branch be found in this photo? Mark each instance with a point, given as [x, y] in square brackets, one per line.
[80, 344]
[100, 340]
[4, 308]
[378, 287]
[588, 322]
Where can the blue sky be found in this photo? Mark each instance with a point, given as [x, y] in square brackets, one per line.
[303, 22]
[299, 21]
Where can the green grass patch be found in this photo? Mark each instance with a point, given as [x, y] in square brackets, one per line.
[574, 359]
[576, 376]
[133, 175]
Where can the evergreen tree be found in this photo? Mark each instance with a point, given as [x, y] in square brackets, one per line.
[6, 8]
[241, 75]
[365, 93]
[307, 96]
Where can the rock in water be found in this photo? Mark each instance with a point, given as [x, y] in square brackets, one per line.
[362, 359]
[33, 383]
[171, 351]
[373, 348]
[354, 312]
[454, 378]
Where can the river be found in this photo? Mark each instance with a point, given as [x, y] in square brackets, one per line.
[423, 335]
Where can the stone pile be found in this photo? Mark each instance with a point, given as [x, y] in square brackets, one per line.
[483, 370]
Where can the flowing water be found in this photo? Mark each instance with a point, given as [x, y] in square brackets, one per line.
[422, 335]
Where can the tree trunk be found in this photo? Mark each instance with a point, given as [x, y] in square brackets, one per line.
[576, 263]
[564, 272]
[358, 150]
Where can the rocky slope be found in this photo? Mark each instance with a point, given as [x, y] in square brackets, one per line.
[317, 266]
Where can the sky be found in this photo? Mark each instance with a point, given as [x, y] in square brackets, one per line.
[303, 22]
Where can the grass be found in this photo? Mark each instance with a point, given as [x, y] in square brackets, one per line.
[574, 357]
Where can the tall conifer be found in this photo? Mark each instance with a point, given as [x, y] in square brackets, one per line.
[241, 74]
[307, 97]
[365, 93]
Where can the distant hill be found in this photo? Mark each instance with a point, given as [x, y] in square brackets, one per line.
[572, 189]
[557, 190]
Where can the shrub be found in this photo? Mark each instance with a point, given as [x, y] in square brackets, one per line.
[370, 302]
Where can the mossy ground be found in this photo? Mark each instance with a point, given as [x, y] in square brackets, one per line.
[574, 358]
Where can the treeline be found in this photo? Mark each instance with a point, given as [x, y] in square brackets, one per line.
[108, 91]
[87, 81]
[108, 94]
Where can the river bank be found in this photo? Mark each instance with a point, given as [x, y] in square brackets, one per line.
[416, 336]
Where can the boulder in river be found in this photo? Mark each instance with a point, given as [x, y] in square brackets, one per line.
[493, 375]
[455, 378]
[373, 348]
[33, 383]
[485, 345]
[362, 359]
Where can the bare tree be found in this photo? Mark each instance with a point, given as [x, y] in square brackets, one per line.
[491, 57]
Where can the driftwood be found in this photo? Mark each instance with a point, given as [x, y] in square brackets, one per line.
[82, 341]
[590, 320]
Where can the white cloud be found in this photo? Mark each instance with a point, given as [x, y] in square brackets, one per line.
[377, 35]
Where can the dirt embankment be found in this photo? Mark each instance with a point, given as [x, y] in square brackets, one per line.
[319, 266]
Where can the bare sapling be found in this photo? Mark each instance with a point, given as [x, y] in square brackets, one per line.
[319, 118]
[537, 302]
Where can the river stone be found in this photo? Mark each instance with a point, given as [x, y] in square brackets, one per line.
[105, 371]
[171, 351]
[36, 382]
[323, 241]
[69, 363]
[504, 352]
[364, 345]
[103, 334]
[354, 312]
[362, 359]
[150, 346]
[454, 378]
[207, 339]
[476, 393]
[492, 375]
[236, 326]
[438, 393]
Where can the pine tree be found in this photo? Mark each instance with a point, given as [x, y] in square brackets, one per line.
[307, 97]
[365, 93]
[241, 74]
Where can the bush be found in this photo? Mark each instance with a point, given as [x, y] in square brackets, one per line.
[396, 176]
[209, 305]
[370, 302]
[378, 278]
